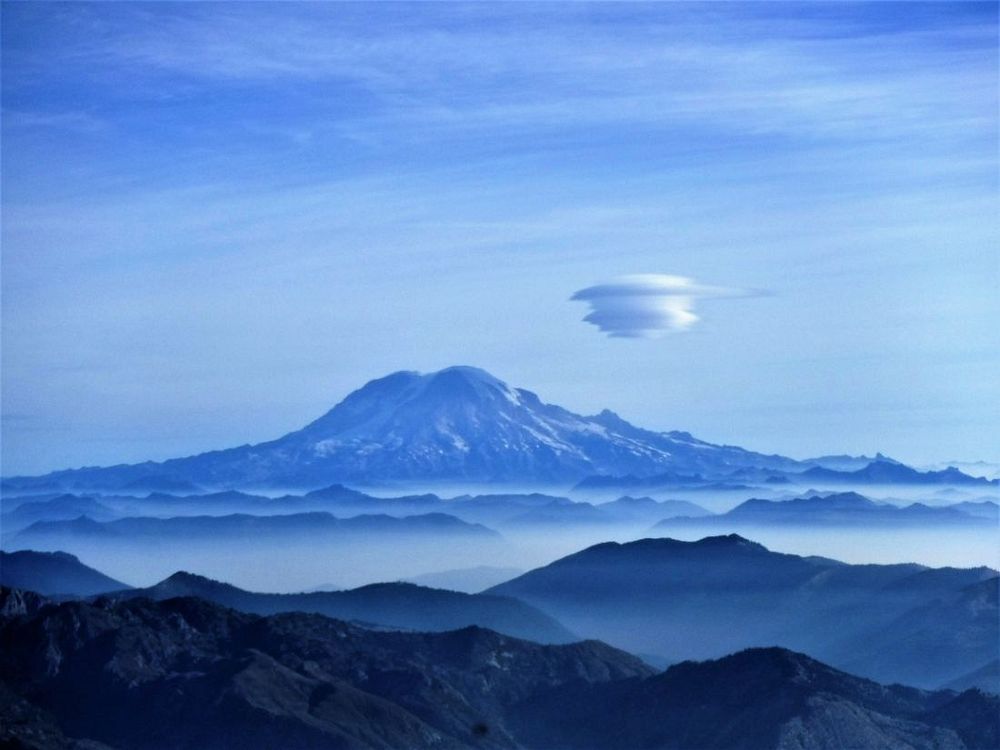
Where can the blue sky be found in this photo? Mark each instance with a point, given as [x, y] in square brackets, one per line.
[219, 219]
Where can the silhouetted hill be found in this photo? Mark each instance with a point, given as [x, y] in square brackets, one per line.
[708, 598]
[315, 526]
[394, 605]
[891, 472]
[834, 509]
[60, 508]
[950, 628]
[493, 510]
[186, 674]
[52, 574]
[880, 471]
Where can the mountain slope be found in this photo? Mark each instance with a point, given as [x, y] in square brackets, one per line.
[53, 573]
[240, 526]
[394, 605]
[186, 674]
[704, 599]
[891, 472]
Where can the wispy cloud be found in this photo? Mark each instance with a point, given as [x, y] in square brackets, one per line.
[647, 305]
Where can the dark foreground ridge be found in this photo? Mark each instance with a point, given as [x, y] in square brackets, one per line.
[404, 606]
[185, 673]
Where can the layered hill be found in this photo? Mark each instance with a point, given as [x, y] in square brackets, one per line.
[403, 606]
[492, 510]
[895, 623]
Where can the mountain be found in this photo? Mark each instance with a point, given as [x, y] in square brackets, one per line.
[469, 580]
[243, 527]
[704, 599]
[460, 423]
[986, 678]
[794, 702]
[53, 574]
[982, 509]
[393, 605]
[891, 472]
[844, 462]
[492, 510]
[835, 509]
[948, 629]
[60, 508]
[882, 470]
[648, 510]
[186, 674]
[661, 480]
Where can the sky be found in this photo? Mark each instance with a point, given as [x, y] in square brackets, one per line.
[219, 219]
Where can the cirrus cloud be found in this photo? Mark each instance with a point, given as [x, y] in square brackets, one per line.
[648, 305]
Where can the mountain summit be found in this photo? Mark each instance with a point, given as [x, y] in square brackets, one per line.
[457, 424]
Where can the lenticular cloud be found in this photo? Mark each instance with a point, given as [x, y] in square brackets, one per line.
[647, 305]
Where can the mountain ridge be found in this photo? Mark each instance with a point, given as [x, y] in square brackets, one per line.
[677, 599]
[186, 673]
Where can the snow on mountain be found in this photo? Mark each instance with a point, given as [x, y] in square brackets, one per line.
[460, 423]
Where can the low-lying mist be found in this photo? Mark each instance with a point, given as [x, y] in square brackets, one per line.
[303, 560]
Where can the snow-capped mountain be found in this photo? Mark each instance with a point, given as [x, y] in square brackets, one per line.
[460, 423]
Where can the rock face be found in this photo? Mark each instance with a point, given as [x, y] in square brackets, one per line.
[894, 623]
[185, 673]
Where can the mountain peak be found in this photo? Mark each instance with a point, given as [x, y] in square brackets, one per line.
[458, 423]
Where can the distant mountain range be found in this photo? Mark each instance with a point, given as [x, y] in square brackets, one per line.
[316, 527]
[880, 471]
[458, 424]
[914, 625]
[337, 511]
[187, 674]
[841, 509]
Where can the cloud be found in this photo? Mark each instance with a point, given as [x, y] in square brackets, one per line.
[647, 305]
